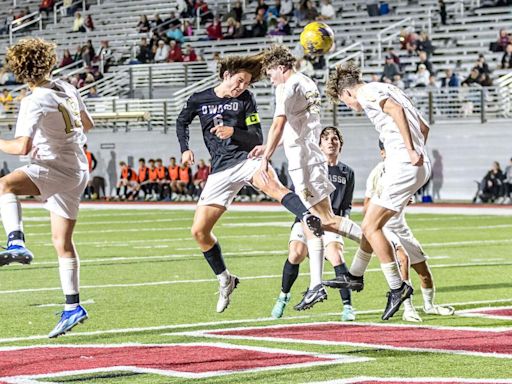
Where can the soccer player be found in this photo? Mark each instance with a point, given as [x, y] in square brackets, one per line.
[297, 122]
[404, 133]
[408, 249]
[231, 129]
[342, 177]
[50, 128]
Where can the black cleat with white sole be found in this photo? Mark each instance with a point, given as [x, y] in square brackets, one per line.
[314, 224]
[346, 280]
[311, 297]
[395, 298]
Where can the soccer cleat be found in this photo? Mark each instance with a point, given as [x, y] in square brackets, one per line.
[411, 315]
[68, 320]
[439, 310]
[280, 305]
[395, 298]
[15, 254]
[314, 224]
[348, 313]
[225, 292]
[346, 280]
[311, 297]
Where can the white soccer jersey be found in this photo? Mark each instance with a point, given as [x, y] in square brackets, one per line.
[372, 183]
[299, 100]
[370, 96]
[51, 117]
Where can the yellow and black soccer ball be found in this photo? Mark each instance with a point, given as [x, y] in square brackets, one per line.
[317, 38]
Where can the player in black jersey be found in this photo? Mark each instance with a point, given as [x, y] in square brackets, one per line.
[231, 129]
[342, 177]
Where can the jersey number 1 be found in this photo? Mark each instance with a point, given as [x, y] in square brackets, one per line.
[66, 115]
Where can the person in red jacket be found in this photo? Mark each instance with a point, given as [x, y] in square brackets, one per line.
[214, 30]
[175, 54]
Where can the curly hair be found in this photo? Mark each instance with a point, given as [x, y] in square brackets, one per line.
[333, 129]
[236, 64]
[31, 59]
[343, 77]
[277, 55]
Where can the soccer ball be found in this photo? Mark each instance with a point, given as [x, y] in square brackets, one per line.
[316, 38]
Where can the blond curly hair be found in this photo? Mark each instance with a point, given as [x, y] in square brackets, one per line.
[31, 59]
[342, 77]
[278, 55]
[236, 64]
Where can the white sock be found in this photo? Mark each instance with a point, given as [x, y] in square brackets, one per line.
[350, 230]
[428, 297]
[223, 278]
[10, 209]
[360, 262]
[392, 274]
[69, 271]
[316, 261]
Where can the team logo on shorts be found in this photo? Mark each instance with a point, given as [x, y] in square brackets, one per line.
[306, 194]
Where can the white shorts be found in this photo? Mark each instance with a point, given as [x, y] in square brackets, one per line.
[410, 245]
[312, 183]
[61, 189]
[297, 234]
[222, 187]
[399, 183]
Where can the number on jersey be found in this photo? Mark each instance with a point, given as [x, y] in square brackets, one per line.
[70, 114]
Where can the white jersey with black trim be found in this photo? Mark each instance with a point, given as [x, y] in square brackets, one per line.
[370, 96]
[50, 115]
[299, 100]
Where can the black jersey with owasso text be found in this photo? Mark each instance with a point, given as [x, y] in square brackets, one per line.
[342, 176]
[237, 112]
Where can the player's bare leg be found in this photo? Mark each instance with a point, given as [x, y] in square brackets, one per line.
[428, 291]
[205, 218]
[12, 185]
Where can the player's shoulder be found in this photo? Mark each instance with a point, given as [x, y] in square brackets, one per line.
[246, 96]
[345, 168]
[201, 95]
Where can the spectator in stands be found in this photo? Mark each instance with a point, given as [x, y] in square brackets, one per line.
[275, 10]
[237, 11]
[398, 82]
[396, 59]
[390, 70]
[203, 12]
[93, 93]
[473, 78]
[66, 59]
[503, 40]
[78, 53]
[482, 66]
[442, 12]
[175, 54]
[485, 80]
[172, 20]
[186, 29]
[451, 79]
[78, 23]
[423, 59]
[262, 5]
[201, 176]
[408, 39]
[182, 9]
[281, 28]
[508, 183]
[189, 54]
[230, 28]
[432, 82]
[6, 100]
[259, 28]
[175, 33]
[425, 44]
[191, 8]
[240, 31]
[46, 6]
[494, 183]
[89, 24]
[506, 60]
[157, 21]
[143, 25]
[327, 11]
[162, 52]
[91, 48]
[421, 78]
[144, 54]
[307, 11]
[214, 30]
[287, 8]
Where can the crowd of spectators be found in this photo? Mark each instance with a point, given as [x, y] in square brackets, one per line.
[496, 185]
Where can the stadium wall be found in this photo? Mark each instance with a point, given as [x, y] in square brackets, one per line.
[467, 150]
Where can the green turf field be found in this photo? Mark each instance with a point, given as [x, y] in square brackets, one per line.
[142, 275]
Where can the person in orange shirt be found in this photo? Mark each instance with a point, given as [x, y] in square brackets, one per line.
[143, 177]
[91, 160]
[162, 178]
[174, 175]
[127, 181]
[153, 181]
[184, 182]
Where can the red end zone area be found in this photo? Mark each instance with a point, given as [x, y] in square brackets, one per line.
[501, 313]
[193, 360]
[415, 380]
[481, 342]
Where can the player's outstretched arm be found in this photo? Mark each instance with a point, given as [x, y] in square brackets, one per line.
[19, 146]
[274, 136]
[183, 122]
[397, 113]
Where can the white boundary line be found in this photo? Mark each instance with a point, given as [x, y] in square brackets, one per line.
[331, 359]
[222, 322]
[208, 333]
[476, 312]
[356, 380]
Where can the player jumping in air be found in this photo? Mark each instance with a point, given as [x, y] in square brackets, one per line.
[50, 128]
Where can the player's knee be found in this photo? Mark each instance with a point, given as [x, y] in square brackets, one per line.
[295, 257]
[61, 244]
[198, 233]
